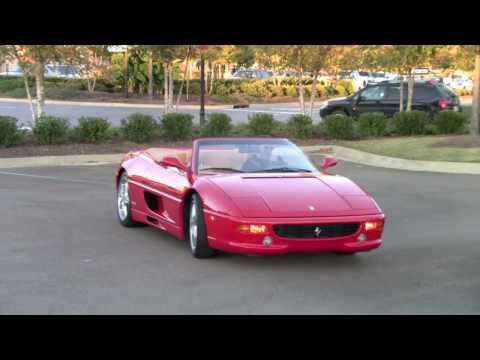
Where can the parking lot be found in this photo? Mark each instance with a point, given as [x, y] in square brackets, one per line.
[62, 251]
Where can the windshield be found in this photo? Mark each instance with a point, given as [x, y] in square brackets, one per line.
[251, 156]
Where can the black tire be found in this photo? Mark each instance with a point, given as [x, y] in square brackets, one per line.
[338, 112]
[125, 220]
[345, 253]
[199, 248]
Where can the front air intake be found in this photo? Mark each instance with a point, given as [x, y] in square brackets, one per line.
[315, 231]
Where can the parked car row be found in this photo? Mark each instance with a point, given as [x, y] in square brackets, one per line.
[51, 70]
[429, 96]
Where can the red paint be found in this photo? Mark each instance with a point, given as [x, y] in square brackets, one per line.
[234, 201]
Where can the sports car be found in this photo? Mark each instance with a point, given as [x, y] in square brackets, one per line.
[255, 196]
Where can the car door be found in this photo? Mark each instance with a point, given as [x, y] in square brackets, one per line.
[371, 99]
[392, 99]
[165, 187]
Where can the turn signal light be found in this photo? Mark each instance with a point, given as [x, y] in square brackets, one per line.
[252, 229]
[374, 225]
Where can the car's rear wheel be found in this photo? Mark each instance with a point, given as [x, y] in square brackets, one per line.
[124, 211]
[197, 234]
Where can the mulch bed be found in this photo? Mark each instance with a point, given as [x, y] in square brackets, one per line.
[28, 150]
[112, 147]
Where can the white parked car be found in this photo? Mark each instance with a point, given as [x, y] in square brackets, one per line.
[458, 82]
[360, 79]
[251, 74]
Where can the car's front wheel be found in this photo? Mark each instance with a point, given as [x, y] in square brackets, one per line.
[197, 234]
[339, 112]
[124, 211]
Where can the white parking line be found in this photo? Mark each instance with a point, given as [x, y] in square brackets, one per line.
[52, 178]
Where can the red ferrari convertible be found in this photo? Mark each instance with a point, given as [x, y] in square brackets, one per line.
[246, 195]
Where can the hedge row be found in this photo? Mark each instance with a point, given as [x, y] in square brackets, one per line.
[66, 88]
[141, 128]
[403, 124]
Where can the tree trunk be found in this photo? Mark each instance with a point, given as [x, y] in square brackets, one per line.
[125, 73]
[180, 91]
[29, 97]
[401, 94]
[39, 69]
[313, 92]
[300, 94]
[411, 83]
[165, 88]
[150, 75]
[212, 72]
[475, 120]
[170, 87]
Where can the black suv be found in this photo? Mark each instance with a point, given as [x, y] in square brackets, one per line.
[384, 97]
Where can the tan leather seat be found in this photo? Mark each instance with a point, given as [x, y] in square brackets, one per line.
[157, 154]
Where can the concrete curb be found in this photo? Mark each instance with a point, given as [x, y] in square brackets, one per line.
[69, 160]
[340, 152]
[110, 104]
[365, 158]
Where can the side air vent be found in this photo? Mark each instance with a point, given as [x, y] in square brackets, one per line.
[151, 200]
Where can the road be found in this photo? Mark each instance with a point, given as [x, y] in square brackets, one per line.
[62, 251]
[73, 111]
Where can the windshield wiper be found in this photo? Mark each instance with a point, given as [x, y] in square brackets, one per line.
[222, 169]
[283, 169]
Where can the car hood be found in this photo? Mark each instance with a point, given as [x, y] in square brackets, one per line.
[338, 101]
[300, 195]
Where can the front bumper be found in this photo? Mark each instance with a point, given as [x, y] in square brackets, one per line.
[223, 235]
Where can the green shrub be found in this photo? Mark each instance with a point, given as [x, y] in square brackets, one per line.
[92, 129]
[241, 129]
[113, 133]
[450, 122]
[291, 90]
[277, 91]
[300, 126]
[338, 127]
[261, 124]
[177, 126]
[255, 88]
[51, 130]
[347, 86]
[372, 124]
[280, 129]
[138, 127]
[9, 133]
[19, 93]
[431, 129]
[410, 122]
[218, 124]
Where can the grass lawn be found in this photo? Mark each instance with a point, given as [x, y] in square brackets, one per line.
[431, 148]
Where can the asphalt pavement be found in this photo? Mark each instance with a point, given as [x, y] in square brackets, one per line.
[62, 251]
[73, 111]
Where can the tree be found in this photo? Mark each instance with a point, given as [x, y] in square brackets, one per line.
[399, 58]
[296, 56]
[469, 57]
[244, 56]
[168, 55]
[32, 59]
[92, 59]
[274, 57]
[475, 120]
[319, 57]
